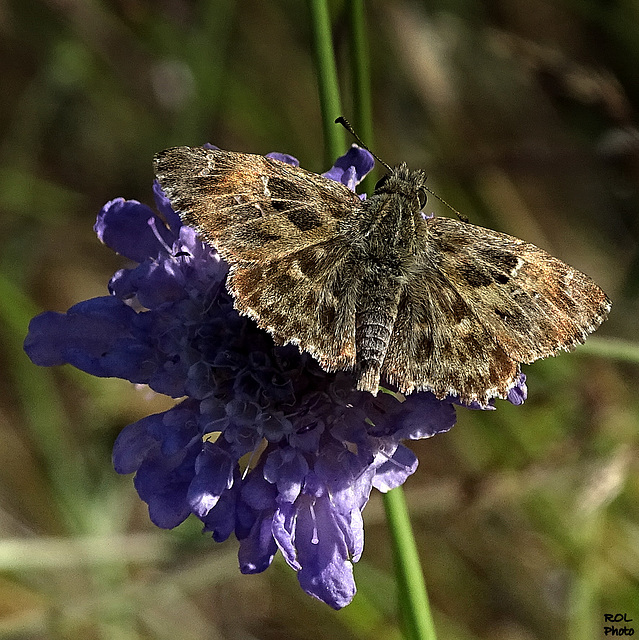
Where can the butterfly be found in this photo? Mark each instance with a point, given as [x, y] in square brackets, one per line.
[373, 285]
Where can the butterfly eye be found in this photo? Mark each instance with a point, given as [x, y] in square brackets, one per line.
[381, 182]
[421, 196]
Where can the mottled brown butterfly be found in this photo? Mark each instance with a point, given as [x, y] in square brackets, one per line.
[374, 286]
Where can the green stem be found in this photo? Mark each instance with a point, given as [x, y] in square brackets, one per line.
[613, 348]
[410, 579]
[413, 596]
[328, 86]
[360, 65]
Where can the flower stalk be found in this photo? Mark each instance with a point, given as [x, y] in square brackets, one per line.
[411, 586]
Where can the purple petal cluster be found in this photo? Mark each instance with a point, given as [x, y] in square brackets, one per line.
[262, 443]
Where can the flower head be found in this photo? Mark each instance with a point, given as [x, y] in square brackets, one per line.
[263, 443]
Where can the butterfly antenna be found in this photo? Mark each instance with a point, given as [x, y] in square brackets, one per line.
[461, 216]
[347, 125]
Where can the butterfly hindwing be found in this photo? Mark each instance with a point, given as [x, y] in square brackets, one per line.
[308, 298]
[438, 344]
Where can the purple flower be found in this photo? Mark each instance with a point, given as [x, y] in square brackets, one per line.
[170, 323]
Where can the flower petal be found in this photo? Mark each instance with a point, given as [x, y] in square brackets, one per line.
[518, 394]
[286, 468]
[94, 336]
[221, 519]
[351, 168]
[283, 528]
[420, 415]
[394, 471]
[131, 229]
[326, 570]
[134, 444]
[163, 484]
[284, 157]
[258, 548]
[164, 207]
[214, 469]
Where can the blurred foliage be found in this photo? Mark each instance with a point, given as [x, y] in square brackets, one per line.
[524, 114]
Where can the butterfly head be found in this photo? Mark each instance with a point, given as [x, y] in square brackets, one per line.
[408, 184]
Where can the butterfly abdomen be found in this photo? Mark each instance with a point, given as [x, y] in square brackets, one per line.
[375, 316]
[372, 335]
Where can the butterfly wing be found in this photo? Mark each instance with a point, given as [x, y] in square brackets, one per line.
[278, 226]
[307, 298]
[439, 344]
[478, 304]
[252, 208]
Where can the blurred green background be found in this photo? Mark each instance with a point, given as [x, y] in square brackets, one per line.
[524, 114]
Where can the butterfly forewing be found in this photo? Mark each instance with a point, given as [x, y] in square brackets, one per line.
[252, 208]
[278, 226]
[533, 304]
